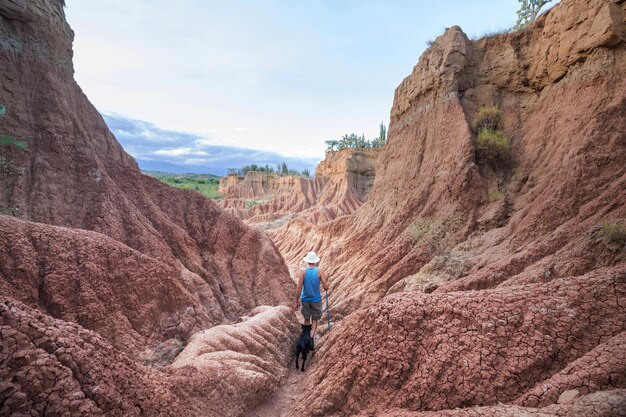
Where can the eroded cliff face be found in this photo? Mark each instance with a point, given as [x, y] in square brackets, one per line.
[518, 281]
[105, 263]
[563, 109]
[341, 185]
[75, 174]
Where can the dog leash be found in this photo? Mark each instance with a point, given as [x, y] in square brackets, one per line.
[328, 311]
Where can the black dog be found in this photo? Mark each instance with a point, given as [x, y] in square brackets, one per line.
[305, 344]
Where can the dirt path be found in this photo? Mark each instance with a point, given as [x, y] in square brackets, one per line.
[285, 398]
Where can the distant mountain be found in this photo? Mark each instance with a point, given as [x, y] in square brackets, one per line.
[170, 168]
[186, 175]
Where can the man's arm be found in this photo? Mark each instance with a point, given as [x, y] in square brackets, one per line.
[324, 279]
[299, 291]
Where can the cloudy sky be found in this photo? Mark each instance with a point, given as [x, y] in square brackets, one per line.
[204, 84]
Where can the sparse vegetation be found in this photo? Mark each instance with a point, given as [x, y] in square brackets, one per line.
[433, 233]
[492, 145]
[494, 195]
[353, 140]
[281, 169]
[8, 139]
[490, 33]
[614, 232]
[432, 42]
[252, 167]
[8, 169]
[424, 227]
[10, 211]
[251, 203]
[528, 12]
[488, 117]
[205, 184]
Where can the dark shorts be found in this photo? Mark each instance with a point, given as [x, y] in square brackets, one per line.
[313, 310]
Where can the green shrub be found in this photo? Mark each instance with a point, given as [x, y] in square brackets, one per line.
[488, 118]
[528, 12]
[614, 232]
[493, 147]
[494, 195]
[251, 203]
[10, 140]
[355, 141]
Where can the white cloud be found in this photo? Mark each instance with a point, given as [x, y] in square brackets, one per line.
[174, 152]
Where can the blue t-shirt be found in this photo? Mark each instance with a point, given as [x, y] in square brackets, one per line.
[311, 286]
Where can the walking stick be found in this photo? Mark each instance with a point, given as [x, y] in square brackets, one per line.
[328, 311]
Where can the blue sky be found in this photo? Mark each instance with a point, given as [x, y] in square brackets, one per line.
[267, 79]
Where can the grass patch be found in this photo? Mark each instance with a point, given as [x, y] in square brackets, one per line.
[614, 232]
[425, 227]
[433, 233]
[251, 203]
[488, 117]
[491, 143]
[494, 195]
[493, 147]
[491, 33]
[205, 184]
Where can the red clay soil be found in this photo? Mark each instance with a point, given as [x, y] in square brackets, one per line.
[601, 404]
[131, 299]
[55, 367]
[526, 344]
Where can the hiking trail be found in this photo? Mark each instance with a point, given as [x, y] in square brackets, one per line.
[284, 399]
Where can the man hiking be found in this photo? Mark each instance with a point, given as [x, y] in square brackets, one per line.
[308, 292]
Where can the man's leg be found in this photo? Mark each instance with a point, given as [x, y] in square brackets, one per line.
[314, 327]
[306, 312]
